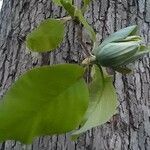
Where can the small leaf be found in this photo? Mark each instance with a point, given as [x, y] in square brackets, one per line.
[89, 29]
[47, 36]
[104, 110]
[44, 101]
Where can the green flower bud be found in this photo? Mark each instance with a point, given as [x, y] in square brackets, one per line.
[120, 48]
[115, 54]
[118, 36]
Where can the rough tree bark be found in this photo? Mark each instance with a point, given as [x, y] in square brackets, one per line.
[130, 129]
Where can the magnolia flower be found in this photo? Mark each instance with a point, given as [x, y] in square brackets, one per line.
[120, 48]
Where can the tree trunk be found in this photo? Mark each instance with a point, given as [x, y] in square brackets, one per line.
[130, 128]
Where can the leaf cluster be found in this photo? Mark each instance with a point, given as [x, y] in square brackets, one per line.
[56, 99]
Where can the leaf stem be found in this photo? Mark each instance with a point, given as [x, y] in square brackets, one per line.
[89, 60]
[101, 70]
[88, 52]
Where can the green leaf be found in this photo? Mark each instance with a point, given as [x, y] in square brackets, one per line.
[58, 2]
[105, 108]
[47, 36]
[44, 101]
[68, 7]
[95, 89]
[79, 15]
[117, 36]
